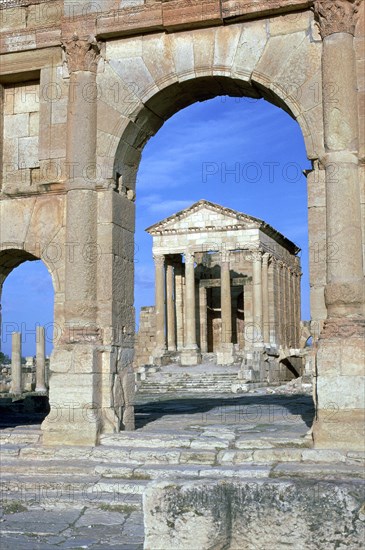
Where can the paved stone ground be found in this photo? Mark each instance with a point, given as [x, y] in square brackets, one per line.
[286, 413]
[40, 529]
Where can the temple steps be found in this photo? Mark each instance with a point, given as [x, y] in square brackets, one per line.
[188, 382]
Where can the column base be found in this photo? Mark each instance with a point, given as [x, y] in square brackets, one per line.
[225, 356]
[160, 358]
[64, 426]
[339, 429]
[190, 357]
[340, 386]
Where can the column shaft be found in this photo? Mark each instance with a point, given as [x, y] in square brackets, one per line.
[40, 360]
[16, 363]
[170, 298]
[203, 319]
[81, 210]
[179, 305]
[284, 273]
[344, 291]
[226, 302]
[265, 299]
[257, 295]
[190, 320]
[160, 303]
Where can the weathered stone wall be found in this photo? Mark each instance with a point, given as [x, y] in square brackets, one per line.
[359, 43]
[146, 337]
[21, 137]
[222, 515]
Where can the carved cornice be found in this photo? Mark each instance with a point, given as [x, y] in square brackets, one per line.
[82, 55]
[336, 16]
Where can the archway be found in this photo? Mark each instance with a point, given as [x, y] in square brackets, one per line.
[221, 150]
[146, 79]
[27, 330]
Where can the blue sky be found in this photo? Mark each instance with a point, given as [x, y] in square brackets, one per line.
[238, 152]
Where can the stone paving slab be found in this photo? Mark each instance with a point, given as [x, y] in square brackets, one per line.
[95, 494]
[76, 528]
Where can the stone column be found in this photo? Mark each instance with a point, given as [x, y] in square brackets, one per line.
[277, 299]
[203, 319]
[160, 281]
[16, 363]
[341, 348]
[40, 360]
[225, 354]
[289, 308]
[257, 294]
[226, 300]
[297, 279]
[265, 298]
[286, 320]
[190, 354]
[345, 285]
[76, 360]
[170, 310]
[179, 305]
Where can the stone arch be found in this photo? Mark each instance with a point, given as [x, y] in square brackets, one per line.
[177, 96]
[33, 229]
[145, 80]
[12, 257]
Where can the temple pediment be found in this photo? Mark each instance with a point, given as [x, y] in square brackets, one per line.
[204, 216]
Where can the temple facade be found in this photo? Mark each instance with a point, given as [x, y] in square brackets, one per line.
[225, 283]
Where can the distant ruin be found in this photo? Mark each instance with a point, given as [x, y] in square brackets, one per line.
[227, 284]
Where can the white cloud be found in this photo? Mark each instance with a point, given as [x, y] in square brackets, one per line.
[155, 204]
[144, 277]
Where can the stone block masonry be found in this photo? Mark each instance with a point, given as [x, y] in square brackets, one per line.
[106, 80]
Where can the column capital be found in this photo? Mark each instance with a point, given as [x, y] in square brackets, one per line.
[189, 257]
[256, 255]
[225, 256]
[82, 54]
[159, 259]
[336, 16]
[266, 258]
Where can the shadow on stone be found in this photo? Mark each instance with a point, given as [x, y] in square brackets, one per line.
[28, 411]
[243, 408]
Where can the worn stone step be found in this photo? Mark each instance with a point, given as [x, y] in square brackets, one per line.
[322, 471]
[55, 499]
[120, 486]
[201, 471]
[9, 450]
[60, 468]
[20, 437]
[138, 439]
[51, 491]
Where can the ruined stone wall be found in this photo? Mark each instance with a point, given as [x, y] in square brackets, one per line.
[145, 338]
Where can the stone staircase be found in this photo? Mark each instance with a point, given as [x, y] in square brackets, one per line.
[205, 378]
[116, 473]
